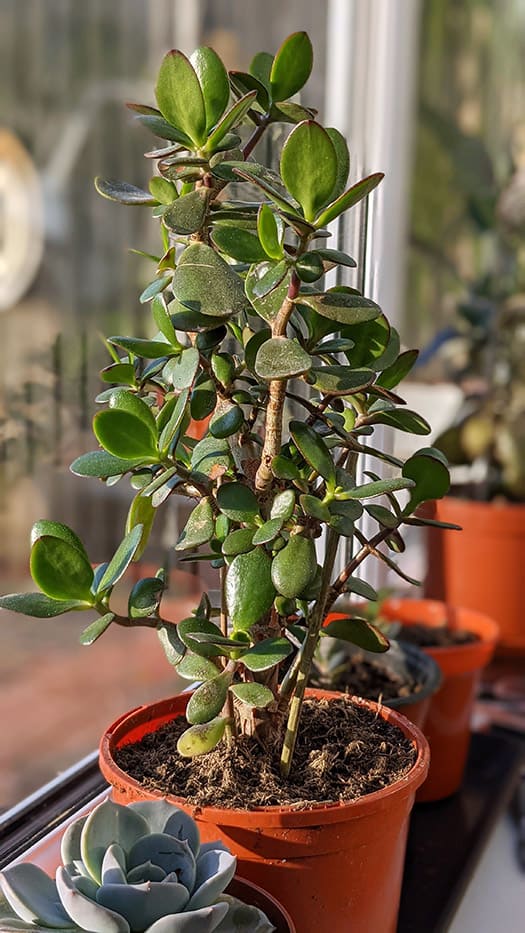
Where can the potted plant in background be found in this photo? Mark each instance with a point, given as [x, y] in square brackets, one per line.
[486, 442]
[245, 330]
[461, 643]
[140, 868]
[404, 678]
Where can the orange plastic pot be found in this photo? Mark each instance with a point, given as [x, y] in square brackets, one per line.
[335, 867]
[447, 725]
[422, 668]
[481, 567]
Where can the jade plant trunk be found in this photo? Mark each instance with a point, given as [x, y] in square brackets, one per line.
[290, 377]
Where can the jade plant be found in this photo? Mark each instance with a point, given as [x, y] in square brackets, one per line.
[134, 869]
[287, 376]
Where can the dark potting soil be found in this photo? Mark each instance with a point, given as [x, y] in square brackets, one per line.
[425, 636]
[343, 752]
[364, 677]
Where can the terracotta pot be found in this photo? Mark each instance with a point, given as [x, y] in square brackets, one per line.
[447, 725]
[335, 867]
[421, 667]
[480, 567]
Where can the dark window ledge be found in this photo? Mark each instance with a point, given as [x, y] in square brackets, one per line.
[36, 816]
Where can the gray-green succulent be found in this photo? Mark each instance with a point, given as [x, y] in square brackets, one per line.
[288, 377]
[131, 869]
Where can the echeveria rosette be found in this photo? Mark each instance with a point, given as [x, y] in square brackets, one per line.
[131, 869]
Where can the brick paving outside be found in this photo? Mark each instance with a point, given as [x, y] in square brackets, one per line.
[56, 697]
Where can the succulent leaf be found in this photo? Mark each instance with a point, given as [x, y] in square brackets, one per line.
[143, 904]
[33, 896]
[84, 911]
[215, 870]
[107, 824]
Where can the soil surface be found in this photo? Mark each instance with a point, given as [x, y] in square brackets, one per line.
[370, 679]
[343, 752]
[426, 636]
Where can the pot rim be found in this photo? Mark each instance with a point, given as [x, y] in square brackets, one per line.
[264, 895]
[276, 816]
[470, 619]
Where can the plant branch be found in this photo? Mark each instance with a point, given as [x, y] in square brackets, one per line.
[258, 132]
[277, 393]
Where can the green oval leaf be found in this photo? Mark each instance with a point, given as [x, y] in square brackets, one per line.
[203, 399]
[294, 568]
[268, 531]
[195, 625]
[341, 307]
[312, 505]
[238, 502]
[314, 450]
[283, 505]
[181, 370]
[180, 97]
[125, 436]
[270, 276]
[430, 475]
[281, 358]
[343, 161]
[188, 213]
[238, 542]
[269, 232]
[211, 456]
[226, 421]
[394, 374]
[237, 243]
[141, 512]
[162, 190]
[144, 597]
[358, 632]
[40, 606]
[205, 283]
[291, 66]
[97, 628]
[309, 166]
[123, 400]
[213, 79]
[149, 349]
[196, 667]
[199, 528]
[256, 695]
[155, 288]
[377, 488]
[57, 530]
[171, 428]
[122, 192]
[121, 559]
[249, 588]
[208, 700]
[198, 740]
[230, 119]
[173, 648]
[61, 570]
[100, 464]
[341, 380]
[350, 198]
[266, 654]
[403, 419]
[121, 373]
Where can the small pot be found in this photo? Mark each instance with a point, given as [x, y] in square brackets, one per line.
[447, 726]
[480, 567]
[331, 865]
[421, 667]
